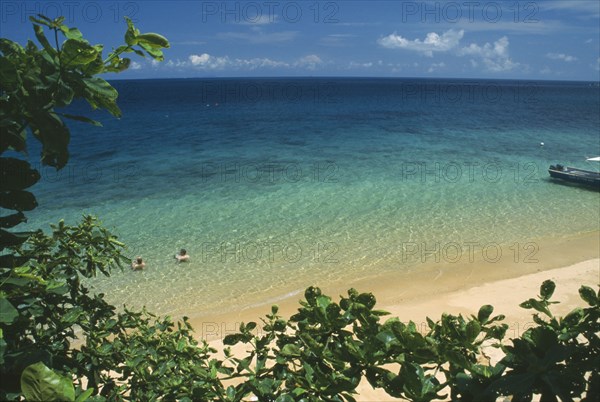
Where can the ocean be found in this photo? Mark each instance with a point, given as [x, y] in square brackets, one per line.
[276, 184]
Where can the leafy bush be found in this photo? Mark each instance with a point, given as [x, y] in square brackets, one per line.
[319, 354]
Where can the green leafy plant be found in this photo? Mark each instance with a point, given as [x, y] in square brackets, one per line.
[39, 383]
[34, 83]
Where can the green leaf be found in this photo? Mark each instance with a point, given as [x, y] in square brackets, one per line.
[387, 338]
[18, 200]
[290, 350]
[41, 19]
[232, 339]
[54, 136]
[39, 34]
[367, 299]
[311, 293]
[39, 383]
[155, 53]
[484, 313]
[100, 87]
[131, 34]
[323, 301]
[100, 93]
[78, 52]
[512, 384]
[537, 305]
[72, 316]
[9, 76]
[8, 239]
[547, 289]
[472, 331]
[16, 174]
[231, 392]
[11, 261]
[82, 119]
[3, 347]
[71, 33]
[588, 295]
[12, 220]
[7, 311]
[85, 395]
[154, 40]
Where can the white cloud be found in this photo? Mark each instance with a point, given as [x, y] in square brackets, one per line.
[561, 56]
[206, 61]
[546, 70]
[310, 62]
[259, 19]
[257, 62]
[135, 65]
[597, 66]
[436, 66]
[494, 56]
[433, 42]
[354, 64]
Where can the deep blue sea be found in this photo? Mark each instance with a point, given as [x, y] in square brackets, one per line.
[275, 184]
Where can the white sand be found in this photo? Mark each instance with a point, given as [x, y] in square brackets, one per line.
[505, 295]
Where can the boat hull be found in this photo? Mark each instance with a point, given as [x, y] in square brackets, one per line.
[578, 176]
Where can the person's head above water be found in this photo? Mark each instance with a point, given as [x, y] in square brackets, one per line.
[182, 252]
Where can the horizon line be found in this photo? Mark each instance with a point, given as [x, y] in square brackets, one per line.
[351, 77]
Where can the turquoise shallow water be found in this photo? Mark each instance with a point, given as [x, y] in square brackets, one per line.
[319, 180]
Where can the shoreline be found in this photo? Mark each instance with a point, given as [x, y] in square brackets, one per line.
[504, 295]
[418, 285]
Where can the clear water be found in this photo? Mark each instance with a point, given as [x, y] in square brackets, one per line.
[275, 184]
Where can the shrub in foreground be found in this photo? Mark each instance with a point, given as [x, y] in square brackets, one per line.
[319, 354]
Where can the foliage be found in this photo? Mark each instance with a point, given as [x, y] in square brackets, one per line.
[40, 281]
[128, 353]
[33, 83]
[39, 383]
[321, 353]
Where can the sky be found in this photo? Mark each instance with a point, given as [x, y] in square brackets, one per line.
[540, 40]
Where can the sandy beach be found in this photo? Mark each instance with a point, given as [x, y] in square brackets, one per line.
[430, 289]
[504, 294]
